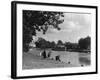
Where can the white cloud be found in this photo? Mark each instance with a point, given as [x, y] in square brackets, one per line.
[75, 22]
[69, 26]
[55, 30]
[72, 24]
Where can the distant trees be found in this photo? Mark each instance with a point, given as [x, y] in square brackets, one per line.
[42, 43]
[85, 43]
[52, 44]
[70, 45]
[59, 43]
[59, 46]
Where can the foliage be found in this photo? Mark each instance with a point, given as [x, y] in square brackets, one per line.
[42, 43]
[84, 43]
[34, 21]
[70, 45]
[59, 42]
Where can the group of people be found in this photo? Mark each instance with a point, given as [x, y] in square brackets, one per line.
[44, 55]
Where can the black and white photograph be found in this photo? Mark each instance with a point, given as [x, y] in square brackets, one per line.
[54, 39]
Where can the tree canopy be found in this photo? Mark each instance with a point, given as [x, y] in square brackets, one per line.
[43, 44]
[59, 42]
[84, 43]
[34, 21]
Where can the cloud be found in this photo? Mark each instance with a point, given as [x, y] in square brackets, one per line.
[75, 22]
[55, 31]
[72, 22]
[82, 19]
[72, 25]
[67, 26]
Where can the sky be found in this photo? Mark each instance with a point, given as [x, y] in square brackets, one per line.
[74, 27]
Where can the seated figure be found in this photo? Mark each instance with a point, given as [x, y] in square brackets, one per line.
[44, 54]
[57, 58]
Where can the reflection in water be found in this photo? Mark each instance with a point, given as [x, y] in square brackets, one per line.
[84, 60]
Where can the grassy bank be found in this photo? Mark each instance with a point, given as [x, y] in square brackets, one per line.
[32, 59]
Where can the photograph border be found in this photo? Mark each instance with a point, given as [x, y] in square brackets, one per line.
[14, 38]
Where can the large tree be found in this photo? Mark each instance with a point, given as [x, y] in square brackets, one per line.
[34, 21]
[41, 43]
[85, 43]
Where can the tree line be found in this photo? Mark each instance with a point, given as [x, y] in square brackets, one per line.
[83, 44]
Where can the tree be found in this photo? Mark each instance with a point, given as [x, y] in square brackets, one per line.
[53, 44]
[67, 45]
[84, 43]
[59, 42]
[41, 43]
[34, 21]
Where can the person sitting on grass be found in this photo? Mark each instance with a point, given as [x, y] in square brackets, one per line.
[49, 54]
[57, 58]
[44, 54]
